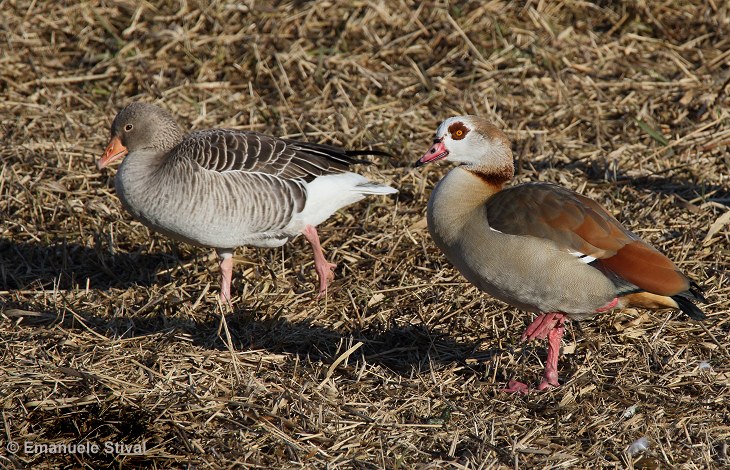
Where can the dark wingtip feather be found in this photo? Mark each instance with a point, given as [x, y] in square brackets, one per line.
[336, 153]
[696, 292]
[357, 153]
[377, 153]
[688, 307]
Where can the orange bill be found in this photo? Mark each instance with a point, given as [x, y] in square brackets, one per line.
[114, 151]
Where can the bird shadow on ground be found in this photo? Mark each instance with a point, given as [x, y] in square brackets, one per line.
[72, 266]
[603, 172]
[405, 350]
[64, 265]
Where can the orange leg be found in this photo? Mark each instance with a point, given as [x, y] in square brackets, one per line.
[321, 265]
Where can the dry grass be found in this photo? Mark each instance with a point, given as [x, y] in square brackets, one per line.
[112, 333]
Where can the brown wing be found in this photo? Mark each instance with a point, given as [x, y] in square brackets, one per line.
[226, 150]
[578, 224]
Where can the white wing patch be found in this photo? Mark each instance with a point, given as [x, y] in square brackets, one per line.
[587, 259]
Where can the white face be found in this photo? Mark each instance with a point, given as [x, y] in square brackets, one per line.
[460, 139]
[468, 140]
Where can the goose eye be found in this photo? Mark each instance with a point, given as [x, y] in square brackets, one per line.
[458, 130]
[128, 127]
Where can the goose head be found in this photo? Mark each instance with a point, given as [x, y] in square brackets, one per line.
[472, 142]
[140, 126]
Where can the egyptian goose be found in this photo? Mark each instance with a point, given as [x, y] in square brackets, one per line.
[224, 188]
[537, 246]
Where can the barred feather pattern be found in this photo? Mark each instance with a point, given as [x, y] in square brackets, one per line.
[225, 150]
[223, 188]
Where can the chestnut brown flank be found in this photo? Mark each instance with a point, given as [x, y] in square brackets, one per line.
[647, 268]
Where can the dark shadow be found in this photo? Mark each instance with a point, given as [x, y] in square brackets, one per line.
[407, 351]
[682, 186]
[678, 184]
[68, 265]
[403, 349]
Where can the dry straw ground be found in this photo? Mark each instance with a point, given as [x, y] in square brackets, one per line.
[112, 333]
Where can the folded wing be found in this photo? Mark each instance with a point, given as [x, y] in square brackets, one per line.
[579, 225]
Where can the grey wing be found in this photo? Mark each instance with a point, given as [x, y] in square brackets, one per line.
[267, 203]
[258, 180]
[232, 202]
[224, 150]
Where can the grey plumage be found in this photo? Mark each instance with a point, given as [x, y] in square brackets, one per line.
[224, 188]
[221, 188]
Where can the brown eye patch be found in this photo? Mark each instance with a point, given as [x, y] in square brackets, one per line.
[458, 130]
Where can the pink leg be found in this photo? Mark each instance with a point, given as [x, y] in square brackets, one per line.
[550, 378]
[226, 266]
[321, 265]
[542, 325]
[550, 326]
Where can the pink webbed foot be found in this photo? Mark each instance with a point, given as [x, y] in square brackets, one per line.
[514, 386]
[326, 276]
[323, 267]
[545, 384]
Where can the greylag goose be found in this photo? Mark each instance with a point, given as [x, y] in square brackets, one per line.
[537, 246]
[223, 188]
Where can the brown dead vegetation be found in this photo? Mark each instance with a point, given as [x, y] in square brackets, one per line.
[112, 333]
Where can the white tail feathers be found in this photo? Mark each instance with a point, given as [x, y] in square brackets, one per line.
[374, 188]
[329, 193]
